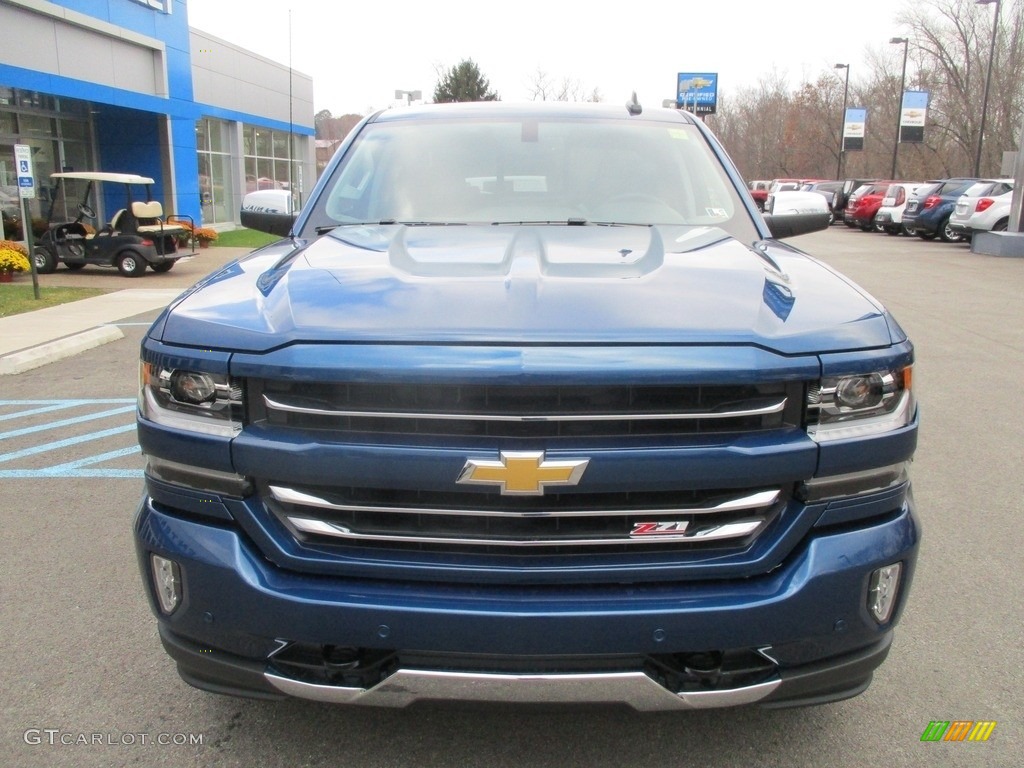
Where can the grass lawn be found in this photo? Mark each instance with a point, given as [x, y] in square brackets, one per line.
[244, 238]
[16, 298]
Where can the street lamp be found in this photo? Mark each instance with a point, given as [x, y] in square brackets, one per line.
[988, 80]
[904, 41]
[410, 95]
[842, 122]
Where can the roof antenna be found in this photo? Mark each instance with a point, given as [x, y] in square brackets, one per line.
[634, 106]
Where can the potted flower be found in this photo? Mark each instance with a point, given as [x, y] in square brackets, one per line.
[13, 258]
[204, 235]
[185, 235]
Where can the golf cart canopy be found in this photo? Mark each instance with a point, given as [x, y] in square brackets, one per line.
[123, 178]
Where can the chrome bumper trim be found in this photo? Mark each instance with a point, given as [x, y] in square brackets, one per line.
[634, 689]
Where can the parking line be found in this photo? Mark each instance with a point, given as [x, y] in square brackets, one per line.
[65, 443]
[75, 468]
[66, 422]
[35, 474]
[56, 405]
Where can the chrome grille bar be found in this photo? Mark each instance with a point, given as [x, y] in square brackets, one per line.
[732, 530]
[753, 501]
[773, 407]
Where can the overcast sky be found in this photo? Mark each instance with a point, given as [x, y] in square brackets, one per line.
[359, 52]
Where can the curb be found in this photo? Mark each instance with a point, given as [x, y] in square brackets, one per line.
[44, 354]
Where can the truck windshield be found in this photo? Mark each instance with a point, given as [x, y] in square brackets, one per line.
[570, 171]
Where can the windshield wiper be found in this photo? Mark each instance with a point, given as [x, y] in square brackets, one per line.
[572, 221]
[388, 222]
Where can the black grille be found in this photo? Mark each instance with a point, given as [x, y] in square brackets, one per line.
[524, 412]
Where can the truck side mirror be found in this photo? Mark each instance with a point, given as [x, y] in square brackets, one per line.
[796, 213]
[268, 210]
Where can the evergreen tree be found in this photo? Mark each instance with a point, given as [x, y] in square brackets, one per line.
[464, 82]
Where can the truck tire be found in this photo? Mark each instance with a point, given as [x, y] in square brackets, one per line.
[131, 264]
[45, 261]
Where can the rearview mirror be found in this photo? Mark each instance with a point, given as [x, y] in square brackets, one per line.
[796, 213]
[268, 210]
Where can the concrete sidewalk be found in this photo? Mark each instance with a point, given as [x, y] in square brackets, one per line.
[33, 339]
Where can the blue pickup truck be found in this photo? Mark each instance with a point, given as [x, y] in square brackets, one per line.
[530, 404]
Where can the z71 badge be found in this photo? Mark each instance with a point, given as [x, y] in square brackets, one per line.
[672, 527]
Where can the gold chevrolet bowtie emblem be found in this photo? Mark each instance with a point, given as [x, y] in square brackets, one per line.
[524, 473]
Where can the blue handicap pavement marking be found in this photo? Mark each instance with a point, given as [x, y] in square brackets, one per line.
[67, 413]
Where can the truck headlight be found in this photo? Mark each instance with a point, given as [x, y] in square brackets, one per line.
[190, 400]
[860, 405]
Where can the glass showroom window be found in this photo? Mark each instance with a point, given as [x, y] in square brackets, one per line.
[266, 160]
[58, 132]
[215, 185]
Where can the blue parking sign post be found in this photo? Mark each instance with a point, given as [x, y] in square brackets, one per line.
[27, 191]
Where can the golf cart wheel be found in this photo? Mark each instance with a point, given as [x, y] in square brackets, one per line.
[45, 261]
[74, 267]
[162, 267]
[948, 234]
[131, 264]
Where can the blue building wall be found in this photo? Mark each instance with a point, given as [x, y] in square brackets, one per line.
[132, 128]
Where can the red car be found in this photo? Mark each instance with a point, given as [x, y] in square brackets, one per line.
[863, 204]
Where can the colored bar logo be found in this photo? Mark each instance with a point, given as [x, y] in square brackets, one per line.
[958, 730]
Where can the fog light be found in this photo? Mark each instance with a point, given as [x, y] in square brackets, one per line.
[167, 580]
[882, 591]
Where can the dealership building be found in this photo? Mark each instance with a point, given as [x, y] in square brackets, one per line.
[127, 86]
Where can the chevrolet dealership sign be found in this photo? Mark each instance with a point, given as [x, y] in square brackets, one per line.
[697, 92]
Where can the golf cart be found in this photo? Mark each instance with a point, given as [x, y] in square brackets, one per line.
[136, 236]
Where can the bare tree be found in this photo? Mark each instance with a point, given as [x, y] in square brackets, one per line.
[772, 131]
[543, 88]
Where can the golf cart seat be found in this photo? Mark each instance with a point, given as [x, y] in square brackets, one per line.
[149, 218]
[114, 225]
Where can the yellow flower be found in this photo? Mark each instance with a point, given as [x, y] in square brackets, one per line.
[12, 261]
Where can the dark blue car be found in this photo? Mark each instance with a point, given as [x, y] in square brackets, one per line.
[532, 405]
[927, 215]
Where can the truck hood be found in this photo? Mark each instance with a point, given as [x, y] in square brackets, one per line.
[525, 284]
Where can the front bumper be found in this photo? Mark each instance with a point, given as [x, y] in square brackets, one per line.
[807, 621]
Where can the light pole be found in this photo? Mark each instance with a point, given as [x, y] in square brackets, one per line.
[905, 41]
[988, 80]
[842, 122]
[410, 95]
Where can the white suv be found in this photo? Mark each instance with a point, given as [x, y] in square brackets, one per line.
[889, 218]
[984, 207]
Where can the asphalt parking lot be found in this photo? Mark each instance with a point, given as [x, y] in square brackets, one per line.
[86, 682]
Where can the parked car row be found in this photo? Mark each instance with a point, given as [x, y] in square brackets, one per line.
[951, 209]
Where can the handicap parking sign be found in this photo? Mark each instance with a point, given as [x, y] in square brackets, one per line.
[26, 181]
